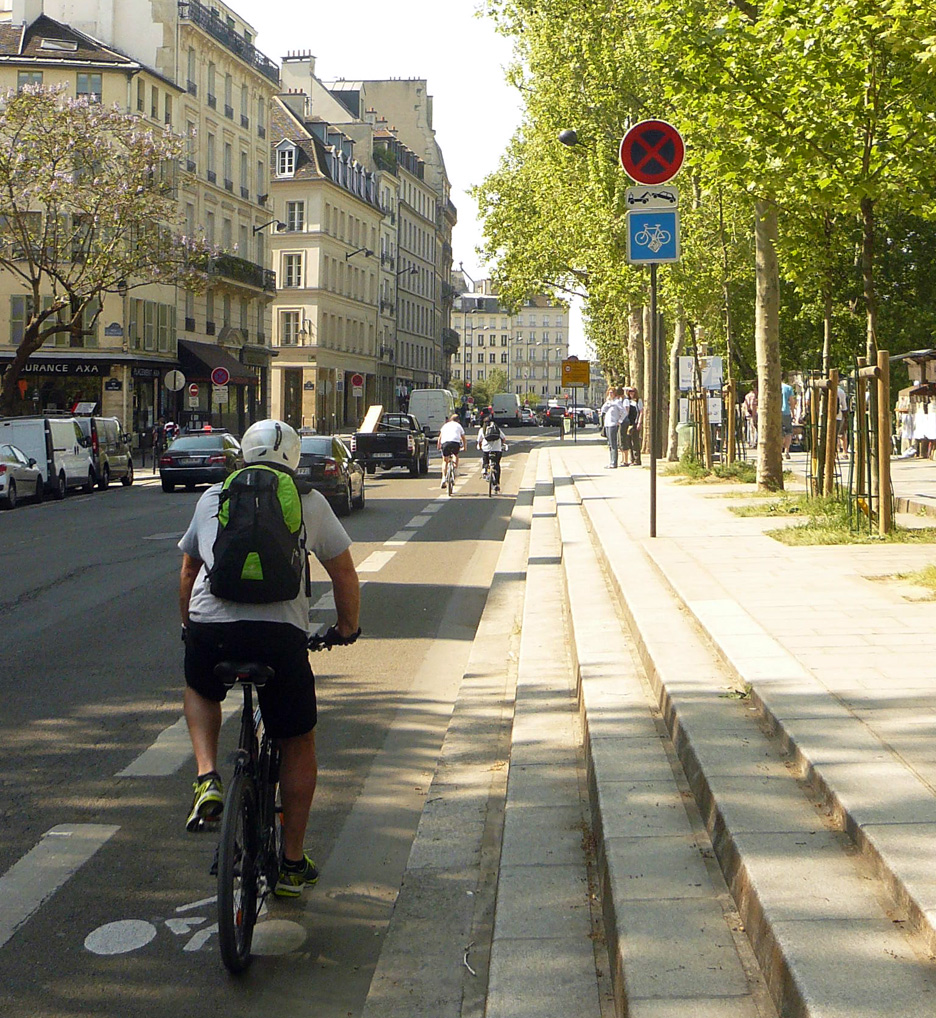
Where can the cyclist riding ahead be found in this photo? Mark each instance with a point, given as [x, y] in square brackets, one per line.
[273, 633]
[493, 444]
[451, 441]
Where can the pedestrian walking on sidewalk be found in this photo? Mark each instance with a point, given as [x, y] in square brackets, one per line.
[787, 411]
[159, 442]
[749, 409]
[612, 414]
[634, 424]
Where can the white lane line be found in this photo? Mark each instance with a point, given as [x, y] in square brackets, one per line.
[171, 748]
[375, 561]
[325, 603]
[400, 538]
[61, 852]
[433, 507]
[173, 536]
[418, 521]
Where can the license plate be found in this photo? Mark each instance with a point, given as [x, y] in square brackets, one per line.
[383, 455]
[188, 462]
[304, 472]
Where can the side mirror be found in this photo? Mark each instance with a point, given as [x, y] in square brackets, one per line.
[32, 462]
[426, 429]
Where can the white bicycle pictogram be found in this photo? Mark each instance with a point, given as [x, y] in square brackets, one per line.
[653, 237]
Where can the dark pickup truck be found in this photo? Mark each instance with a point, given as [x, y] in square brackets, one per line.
[397, 441]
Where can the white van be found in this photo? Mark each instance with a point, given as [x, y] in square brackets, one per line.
[506, 407]
[432, 408]
[58, 447]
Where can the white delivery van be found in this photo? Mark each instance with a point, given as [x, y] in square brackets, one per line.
[432, 408]
[506, 407]
[58, 447]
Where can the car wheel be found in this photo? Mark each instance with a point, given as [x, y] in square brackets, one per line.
[414, 467]
[40, 489]
[104, 482]
[371, 469]
[168, 486]
[358, 502]
[10, 501]
[343, 505]
[424, 464]
[60, 486]
[89, 483]
[127, 479]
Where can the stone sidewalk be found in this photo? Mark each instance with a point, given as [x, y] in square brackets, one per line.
[841, 668]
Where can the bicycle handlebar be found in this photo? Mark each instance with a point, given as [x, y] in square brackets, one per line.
[332, 638]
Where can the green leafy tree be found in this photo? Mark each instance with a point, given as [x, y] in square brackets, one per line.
[87, 208]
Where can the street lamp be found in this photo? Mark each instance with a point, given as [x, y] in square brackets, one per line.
[367, 253]
[412, 270]
[279, 226]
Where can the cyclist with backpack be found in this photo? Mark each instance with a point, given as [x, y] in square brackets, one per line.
[244, 596]
[493, 444]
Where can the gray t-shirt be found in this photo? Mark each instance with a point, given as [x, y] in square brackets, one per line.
[326, 538]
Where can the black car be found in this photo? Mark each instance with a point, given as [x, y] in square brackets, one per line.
[325, 464]
[199, 457]
[554, 416]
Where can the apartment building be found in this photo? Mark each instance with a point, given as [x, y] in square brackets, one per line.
[528, 346]
[195, 68]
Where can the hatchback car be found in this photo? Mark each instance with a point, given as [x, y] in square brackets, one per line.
[325, 465]
[20, 477]
[528, 417]
[199, 457]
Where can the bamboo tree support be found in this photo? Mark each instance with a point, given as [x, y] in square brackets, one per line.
[814, 478]
[706, 432]
[831, 434]
[861, 423]
[729, 425]
[885, 510]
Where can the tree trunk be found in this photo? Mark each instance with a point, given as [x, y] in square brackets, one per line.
[635, 349]
[867, 276]
[679, 339]
[826, 331]
[767, 343]
[30, 344]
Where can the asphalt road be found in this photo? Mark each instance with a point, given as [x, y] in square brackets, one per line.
[106, 904]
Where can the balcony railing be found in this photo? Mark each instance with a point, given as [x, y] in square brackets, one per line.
[261, 131]
[198, 14]
[245, 120]
[212, 101]
[242, 271]
[229, 111]
[189, 324]
[212, 177]
[191, 88]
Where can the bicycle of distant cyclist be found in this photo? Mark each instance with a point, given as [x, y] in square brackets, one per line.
[494, 472]
[250, 846]
[449, 473]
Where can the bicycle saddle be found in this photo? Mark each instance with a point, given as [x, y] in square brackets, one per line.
[231, 672]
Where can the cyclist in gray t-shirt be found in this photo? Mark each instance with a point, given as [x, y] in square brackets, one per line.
[275, 634]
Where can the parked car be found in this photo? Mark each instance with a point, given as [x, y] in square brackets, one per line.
[20, 477]
[528, 417]
[326, 465]
[59, 448]
[554, 415]
[199, 457]
[110, 450]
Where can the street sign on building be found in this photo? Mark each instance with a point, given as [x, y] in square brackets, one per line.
[357, 385]
[653, 237]
[174, 380]
[652, 152]
[220, 376]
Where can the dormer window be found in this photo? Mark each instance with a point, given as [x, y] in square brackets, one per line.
[285, 159]
[59, 45]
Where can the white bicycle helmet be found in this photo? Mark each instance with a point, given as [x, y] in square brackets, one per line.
[272, 442]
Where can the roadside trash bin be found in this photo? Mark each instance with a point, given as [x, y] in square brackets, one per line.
[686, 440]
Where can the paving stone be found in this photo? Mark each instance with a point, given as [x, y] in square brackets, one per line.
[656, 868]
[543, 979]
[542, 902]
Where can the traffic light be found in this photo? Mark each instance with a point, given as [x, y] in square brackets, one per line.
[467, 386]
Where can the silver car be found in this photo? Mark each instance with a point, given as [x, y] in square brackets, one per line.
[19, 477]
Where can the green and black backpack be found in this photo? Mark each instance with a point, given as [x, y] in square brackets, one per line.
[259, 553]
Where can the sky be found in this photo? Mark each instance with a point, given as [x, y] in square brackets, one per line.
[461, 56]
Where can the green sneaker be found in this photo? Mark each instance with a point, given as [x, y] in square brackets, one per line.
[207, 803]
[292, 879]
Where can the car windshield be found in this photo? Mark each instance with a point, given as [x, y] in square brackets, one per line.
[316, 446]
[198, 442]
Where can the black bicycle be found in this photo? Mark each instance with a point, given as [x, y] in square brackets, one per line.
[250, 848]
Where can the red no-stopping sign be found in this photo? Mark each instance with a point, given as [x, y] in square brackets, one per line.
[652, 152]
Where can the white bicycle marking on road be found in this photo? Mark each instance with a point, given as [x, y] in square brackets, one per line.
[375, 561]
[30, 881]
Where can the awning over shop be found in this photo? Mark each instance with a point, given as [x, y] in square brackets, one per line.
[198, 360]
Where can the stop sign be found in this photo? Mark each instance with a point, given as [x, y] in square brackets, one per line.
[193, 389]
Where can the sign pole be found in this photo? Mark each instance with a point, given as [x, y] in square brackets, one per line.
[654, 385]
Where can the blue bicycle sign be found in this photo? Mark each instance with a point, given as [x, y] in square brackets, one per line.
[653, 236]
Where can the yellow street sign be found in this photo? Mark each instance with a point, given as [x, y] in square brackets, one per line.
[575, 372]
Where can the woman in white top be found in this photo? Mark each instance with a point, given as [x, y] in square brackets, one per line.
[612, 413]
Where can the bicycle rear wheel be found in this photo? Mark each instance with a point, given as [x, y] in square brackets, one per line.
[237, 873]
[450, 477]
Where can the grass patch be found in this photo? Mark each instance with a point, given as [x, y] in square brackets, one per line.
[925, 577]
[826, 521]
[693, 471]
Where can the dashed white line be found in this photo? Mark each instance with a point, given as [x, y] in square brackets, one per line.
[60, 853]
[171, 748]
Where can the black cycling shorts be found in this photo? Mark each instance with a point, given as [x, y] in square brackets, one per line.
[451, 448]
[287, 701]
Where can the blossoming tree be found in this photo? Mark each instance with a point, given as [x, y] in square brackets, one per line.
[87, 208]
